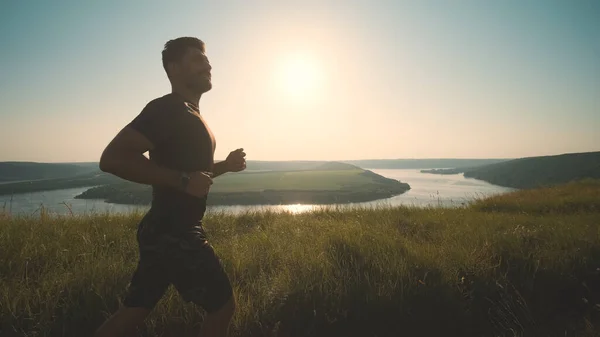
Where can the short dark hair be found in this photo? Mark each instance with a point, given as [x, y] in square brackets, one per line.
[176, 48]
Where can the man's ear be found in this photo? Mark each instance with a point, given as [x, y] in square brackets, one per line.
[172, 69]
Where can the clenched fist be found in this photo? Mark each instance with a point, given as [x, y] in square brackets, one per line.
[236, 161]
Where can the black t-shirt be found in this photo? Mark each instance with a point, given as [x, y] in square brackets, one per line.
[182, 141]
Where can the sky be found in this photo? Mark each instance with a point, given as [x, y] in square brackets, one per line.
[310, 80]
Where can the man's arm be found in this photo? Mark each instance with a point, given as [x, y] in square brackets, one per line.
[124, 157]
[235, 162]
[220, 168]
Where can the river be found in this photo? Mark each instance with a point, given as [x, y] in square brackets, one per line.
[426, 190]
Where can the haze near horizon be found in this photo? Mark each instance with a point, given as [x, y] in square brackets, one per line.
[310, 80]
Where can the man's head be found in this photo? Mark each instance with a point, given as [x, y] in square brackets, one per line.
[186, 64]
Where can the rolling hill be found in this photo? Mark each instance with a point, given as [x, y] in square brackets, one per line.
[540, 171]
[20, 171]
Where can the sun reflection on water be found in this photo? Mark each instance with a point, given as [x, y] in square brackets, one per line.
[297, 208]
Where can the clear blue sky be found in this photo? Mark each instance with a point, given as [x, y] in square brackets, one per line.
[310, 79]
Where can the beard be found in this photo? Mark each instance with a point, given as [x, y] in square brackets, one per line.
[200, 84]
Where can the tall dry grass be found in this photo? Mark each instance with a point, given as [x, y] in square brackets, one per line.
[522, 264]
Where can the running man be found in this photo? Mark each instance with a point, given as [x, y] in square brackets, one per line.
[173, 246]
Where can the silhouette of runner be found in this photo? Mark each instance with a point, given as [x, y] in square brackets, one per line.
[173, 246]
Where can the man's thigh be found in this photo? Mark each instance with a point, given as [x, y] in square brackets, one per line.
[199, 276]
[149, 281]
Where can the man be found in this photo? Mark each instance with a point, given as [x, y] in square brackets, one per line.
[172, 244]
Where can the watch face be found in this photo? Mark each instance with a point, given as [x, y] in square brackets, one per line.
[185, 179]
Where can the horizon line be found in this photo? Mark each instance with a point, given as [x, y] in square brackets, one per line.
[329, 160]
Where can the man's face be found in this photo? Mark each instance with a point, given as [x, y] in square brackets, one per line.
[194, 71]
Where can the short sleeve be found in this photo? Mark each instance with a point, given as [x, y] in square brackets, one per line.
[155, 122]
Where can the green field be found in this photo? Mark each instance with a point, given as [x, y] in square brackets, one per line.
[293, 180]
[522, 264]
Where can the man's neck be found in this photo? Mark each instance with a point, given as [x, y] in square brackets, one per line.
[187, 95]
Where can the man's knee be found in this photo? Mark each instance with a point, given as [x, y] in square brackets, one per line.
[226, 311]
[229, 307]
[122, 323]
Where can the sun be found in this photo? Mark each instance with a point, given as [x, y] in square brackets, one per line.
[300, 75]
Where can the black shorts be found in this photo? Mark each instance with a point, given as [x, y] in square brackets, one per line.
[189, 263]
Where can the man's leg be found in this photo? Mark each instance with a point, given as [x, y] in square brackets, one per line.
[124, 322]
[148, 284]
[216, 324]
[201, 279]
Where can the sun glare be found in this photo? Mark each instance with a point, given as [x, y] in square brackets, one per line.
[298, 208]
[299, 76]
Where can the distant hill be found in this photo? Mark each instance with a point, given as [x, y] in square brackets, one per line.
[24, 171]
[539, 171]
[335, 166]
[421, 163]
[19, 171]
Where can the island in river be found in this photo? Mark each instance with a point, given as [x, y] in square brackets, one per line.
[330, 183]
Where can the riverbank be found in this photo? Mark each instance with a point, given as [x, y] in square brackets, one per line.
[425, 190]
[483, 270]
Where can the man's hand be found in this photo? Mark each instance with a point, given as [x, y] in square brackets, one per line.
[236, 161]
[199, 184]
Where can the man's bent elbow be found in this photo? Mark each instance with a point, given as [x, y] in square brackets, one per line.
[107, 162]
[104, 166]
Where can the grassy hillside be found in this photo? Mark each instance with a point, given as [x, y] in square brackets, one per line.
[524, 264]
[18, 171]
[540, 171]
[327, 183]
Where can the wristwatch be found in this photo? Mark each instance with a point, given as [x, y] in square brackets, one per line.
[184, 180]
